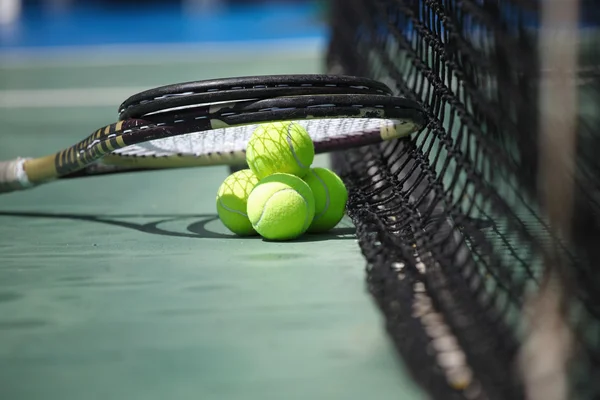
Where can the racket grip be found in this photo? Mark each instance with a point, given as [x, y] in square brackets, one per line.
[13, 176]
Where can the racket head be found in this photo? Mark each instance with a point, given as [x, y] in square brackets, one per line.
[217, 134]
[334, 121]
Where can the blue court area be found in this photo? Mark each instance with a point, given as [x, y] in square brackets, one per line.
[93, 23]
[128, 286]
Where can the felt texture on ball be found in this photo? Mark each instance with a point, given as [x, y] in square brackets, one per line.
[281, 207]
[331, 197]
[232, 200]
[280, 147]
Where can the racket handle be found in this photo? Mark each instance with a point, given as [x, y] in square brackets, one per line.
[13, 176]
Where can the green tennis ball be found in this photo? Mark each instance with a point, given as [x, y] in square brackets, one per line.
[331, 197]
[232, 199]
[281, 207]
[280, 147]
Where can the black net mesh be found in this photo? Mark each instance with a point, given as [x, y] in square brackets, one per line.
[450, 221]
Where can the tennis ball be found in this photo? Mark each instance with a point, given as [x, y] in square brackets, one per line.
[331, 196]
[283, 147]
[232, 199]
[281, 207]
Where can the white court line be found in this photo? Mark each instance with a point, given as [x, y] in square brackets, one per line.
[65, 98]
[142, 54]
[158, 54]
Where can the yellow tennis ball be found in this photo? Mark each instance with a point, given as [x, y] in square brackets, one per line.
[331, 197]
[232, 199]
[281, 207]
[280, 147]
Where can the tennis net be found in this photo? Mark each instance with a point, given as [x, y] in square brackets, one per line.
[488, 291]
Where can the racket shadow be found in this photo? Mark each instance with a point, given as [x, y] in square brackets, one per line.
[196, 230]
[119, 220]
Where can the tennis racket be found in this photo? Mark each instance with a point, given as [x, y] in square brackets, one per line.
[210, 122]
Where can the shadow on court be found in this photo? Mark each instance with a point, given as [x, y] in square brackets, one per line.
[196, 230]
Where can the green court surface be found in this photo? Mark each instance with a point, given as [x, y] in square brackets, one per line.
[128, 286]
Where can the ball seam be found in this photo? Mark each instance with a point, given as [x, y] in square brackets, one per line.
[231, 209]
[291, 144]
[306, 222]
